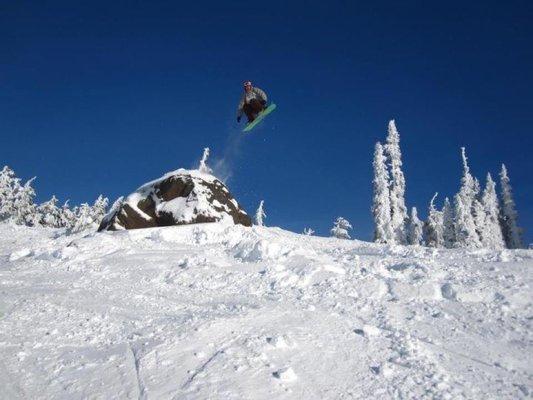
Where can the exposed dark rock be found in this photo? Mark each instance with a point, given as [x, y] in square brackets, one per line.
[178, 198]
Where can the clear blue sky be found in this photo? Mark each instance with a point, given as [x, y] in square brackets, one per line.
[103, 96]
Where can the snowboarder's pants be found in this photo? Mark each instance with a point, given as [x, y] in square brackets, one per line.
[253, 108]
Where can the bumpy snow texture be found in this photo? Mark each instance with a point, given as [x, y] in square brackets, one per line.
[221, 311]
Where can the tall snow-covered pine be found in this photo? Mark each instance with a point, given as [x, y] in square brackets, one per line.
[509, 217]
[381, 209]
[397, 186]
[464, 222]
[448, 226]
[492, 236]
[9, 185]
[99, 208]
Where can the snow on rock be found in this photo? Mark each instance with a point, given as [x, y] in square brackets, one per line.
[17, 255]
[285, 374]
[279, 342]
[178, 198]
[219, 310]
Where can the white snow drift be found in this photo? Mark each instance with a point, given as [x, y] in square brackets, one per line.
[228, 312]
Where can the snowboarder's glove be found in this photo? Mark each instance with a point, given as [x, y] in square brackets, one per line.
[238, 119]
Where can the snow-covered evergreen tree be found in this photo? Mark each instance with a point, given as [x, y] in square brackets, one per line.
[88, 217]
[491, 235]
[203, 162]
[479, 218]
[115, 208]
[477, 188]
[99, 208]
[434, 227]
[17, 204]
[414, 231]
[464, 222]
[340, 228]
[16, 200]
[308, 232]
[260, 214]
[68, 216]
[448, 226]
[381, 208]
[397, 186]
[84, 218]
[508, 216]
[478, 213]
[24, 207]
[9, 185]
[49, 214]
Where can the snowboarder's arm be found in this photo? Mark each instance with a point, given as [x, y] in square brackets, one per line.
[239, 108]
[262, 95]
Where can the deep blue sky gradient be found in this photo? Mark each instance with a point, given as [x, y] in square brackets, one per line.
[104, 96]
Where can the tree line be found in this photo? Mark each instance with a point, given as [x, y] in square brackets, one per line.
[17, 204]
[474, 218]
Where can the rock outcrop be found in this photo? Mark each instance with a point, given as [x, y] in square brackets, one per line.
[178, 198]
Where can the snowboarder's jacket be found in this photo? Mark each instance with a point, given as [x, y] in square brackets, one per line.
[247, 97]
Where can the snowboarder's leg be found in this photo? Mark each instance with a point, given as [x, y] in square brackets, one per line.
[253, 108]
[249, 112]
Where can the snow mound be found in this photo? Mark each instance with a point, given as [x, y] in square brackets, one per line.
[285, 374]
[177, 198]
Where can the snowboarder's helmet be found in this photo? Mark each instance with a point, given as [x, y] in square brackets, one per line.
[247, 83]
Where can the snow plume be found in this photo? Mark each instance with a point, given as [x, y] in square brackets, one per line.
[203, 167]
[223, 167]
[260, 214]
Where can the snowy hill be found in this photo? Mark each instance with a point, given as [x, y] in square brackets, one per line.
[228, 312]
[177, 198]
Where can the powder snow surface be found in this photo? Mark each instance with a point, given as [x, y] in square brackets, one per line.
[218, 311]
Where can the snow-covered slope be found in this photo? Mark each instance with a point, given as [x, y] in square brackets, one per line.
[228, 312]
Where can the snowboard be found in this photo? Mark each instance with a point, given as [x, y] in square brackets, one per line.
[259, 118]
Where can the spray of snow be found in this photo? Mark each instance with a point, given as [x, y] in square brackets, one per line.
[223, 166]
[203, 167]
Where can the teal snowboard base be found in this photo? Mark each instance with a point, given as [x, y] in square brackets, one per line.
[259, 118]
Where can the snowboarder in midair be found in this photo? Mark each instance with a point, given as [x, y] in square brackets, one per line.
[253, 101]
